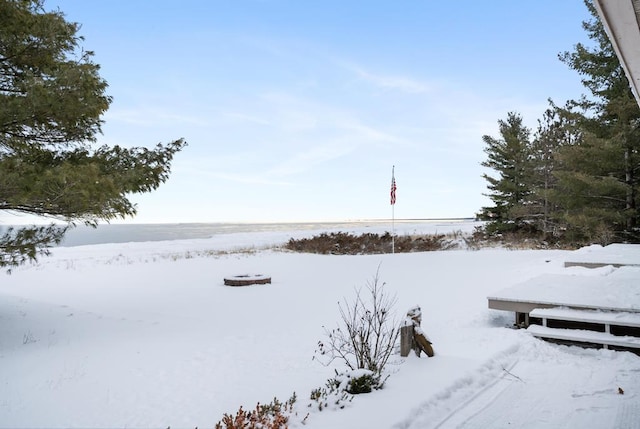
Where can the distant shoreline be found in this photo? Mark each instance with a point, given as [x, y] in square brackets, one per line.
[304, 222]
[137, 232]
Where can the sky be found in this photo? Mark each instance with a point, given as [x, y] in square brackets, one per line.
[298, 110]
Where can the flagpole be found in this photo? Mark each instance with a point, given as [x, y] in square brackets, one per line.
[393, 207]
[393, 230]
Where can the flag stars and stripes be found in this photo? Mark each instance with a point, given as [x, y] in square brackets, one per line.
[393, 188]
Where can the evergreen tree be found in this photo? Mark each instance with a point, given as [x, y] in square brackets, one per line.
[592, 197]
[598, 184]
[509, 157]
[51, 102]
[555, 130]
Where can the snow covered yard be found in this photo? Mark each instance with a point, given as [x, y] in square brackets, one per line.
[147, 335]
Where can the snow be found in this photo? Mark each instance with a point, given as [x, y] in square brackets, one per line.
[147, 335]
[605, 288]
[613, 254]
[596, 316]
[584, 336]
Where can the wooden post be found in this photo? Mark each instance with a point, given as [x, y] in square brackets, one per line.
[412, 338]
[407, 341]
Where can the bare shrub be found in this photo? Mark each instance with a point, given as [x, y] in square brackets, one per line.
[367, 333]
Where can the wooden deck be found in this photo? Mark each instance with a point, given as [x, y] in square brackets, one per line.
[601, 310]
[604, 318]
[619, 291]
[591, 328]
[587, 337]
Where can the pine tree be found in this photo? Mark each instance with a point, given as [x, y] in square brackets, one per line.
[52, 99]
[592, 197]
[598, 184]
[509, 157]
[555, 131]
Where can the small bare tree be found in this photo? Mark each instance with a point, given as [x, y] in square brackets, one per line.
[366, 336]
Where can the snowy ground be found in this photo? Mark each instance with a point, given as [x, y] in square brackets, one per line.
[146, 335]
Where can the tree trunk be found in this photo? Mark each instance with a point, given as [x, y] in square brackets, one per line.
[631, 192]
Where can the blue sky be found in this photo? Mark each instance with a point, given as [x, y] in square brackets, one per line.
[297, 110]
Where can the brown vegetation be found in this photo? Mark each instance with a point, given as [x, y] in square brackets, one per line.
[343, 243]
[518, 240]
[274, 415]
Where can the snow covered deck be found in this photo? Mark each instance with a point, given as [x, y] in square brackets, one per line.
[608, 329]
[597, 256]
[598, 308]
[587, 337]
[617, 291]
[605, 318]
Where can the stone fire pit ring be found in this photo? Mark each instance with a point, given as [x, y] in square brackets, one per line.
[247, 279]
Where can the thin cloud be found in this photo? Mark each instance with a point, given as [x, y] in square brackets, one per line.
[294, 114]
[265, 44]
[250, 179]
[149, 116]
[243, 178]
[400, 83]
[242, 117]
[308, 159]
[367, 132]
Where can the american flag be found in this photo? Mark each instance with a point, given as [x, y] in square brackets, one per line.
[393, 187]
